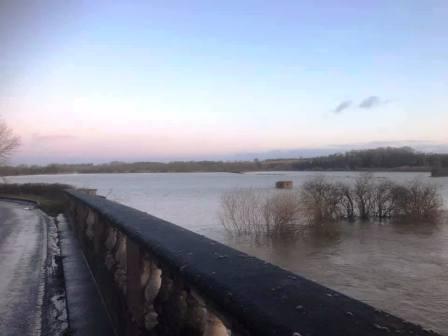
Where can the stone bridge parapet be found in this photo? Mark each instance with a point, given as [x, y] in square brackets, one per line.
[157, 278]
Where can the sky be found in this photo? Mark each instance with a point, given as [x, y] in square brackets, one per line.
[95, 81]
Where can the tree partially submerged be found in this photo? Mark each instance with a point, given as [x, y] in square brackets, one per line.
[242, 211]
[321, 202]
[364, 195]
[8, 142]
[282, 213]
[368, 198]
[246, 211]
[417, 200]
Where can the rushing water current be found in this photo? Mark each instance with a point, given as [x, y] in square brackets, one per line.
[402, 269]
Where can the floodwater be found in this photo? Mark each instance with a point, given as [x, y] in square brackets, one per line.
[402, 269]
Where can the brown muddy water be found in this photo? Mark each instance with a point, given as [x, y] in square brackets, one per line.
[400, 268]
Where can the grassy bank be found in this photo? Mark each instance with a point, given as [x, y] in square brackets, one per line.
[50, 198]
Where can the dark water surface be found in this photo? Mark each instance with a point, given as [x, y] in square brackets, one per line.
[402, 269]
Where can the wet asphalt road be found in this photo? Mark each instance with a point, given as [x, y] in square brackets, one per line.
[23, 242]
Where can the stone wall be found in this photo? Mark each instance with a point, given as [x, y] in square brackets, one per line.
[157, 278]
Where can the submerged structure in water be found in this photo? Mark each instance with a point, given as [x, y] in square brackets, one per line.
[439, 172]
[284, 184]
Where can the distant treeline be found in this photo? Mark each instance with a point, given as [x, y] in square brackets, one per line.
[393, 158]
[387, 158]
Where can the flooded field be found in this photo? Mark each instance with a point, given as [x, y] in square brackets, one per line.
[402, 269]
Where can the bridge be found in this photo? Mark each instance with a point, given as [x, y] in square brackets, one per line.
[129, 273]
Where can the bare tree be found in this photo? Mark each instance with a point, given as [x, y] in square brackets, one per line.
[383, 201]
[417, 200]
[8, 142]
[347, 200]
[364, 194]
[242, 211]
[321, 200]
[282, 213]
[247, 211]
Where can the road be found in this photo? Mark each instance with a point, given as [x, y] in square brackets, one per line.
[23, 243]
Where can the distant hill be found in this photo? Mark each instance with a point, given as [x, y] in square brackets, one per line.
[382, 158]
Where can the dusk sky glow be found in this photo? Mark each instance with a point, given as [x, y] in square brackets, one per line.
[160, 80]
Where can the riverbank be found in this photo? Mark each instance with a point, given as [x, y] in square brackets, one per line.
[48, 197]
